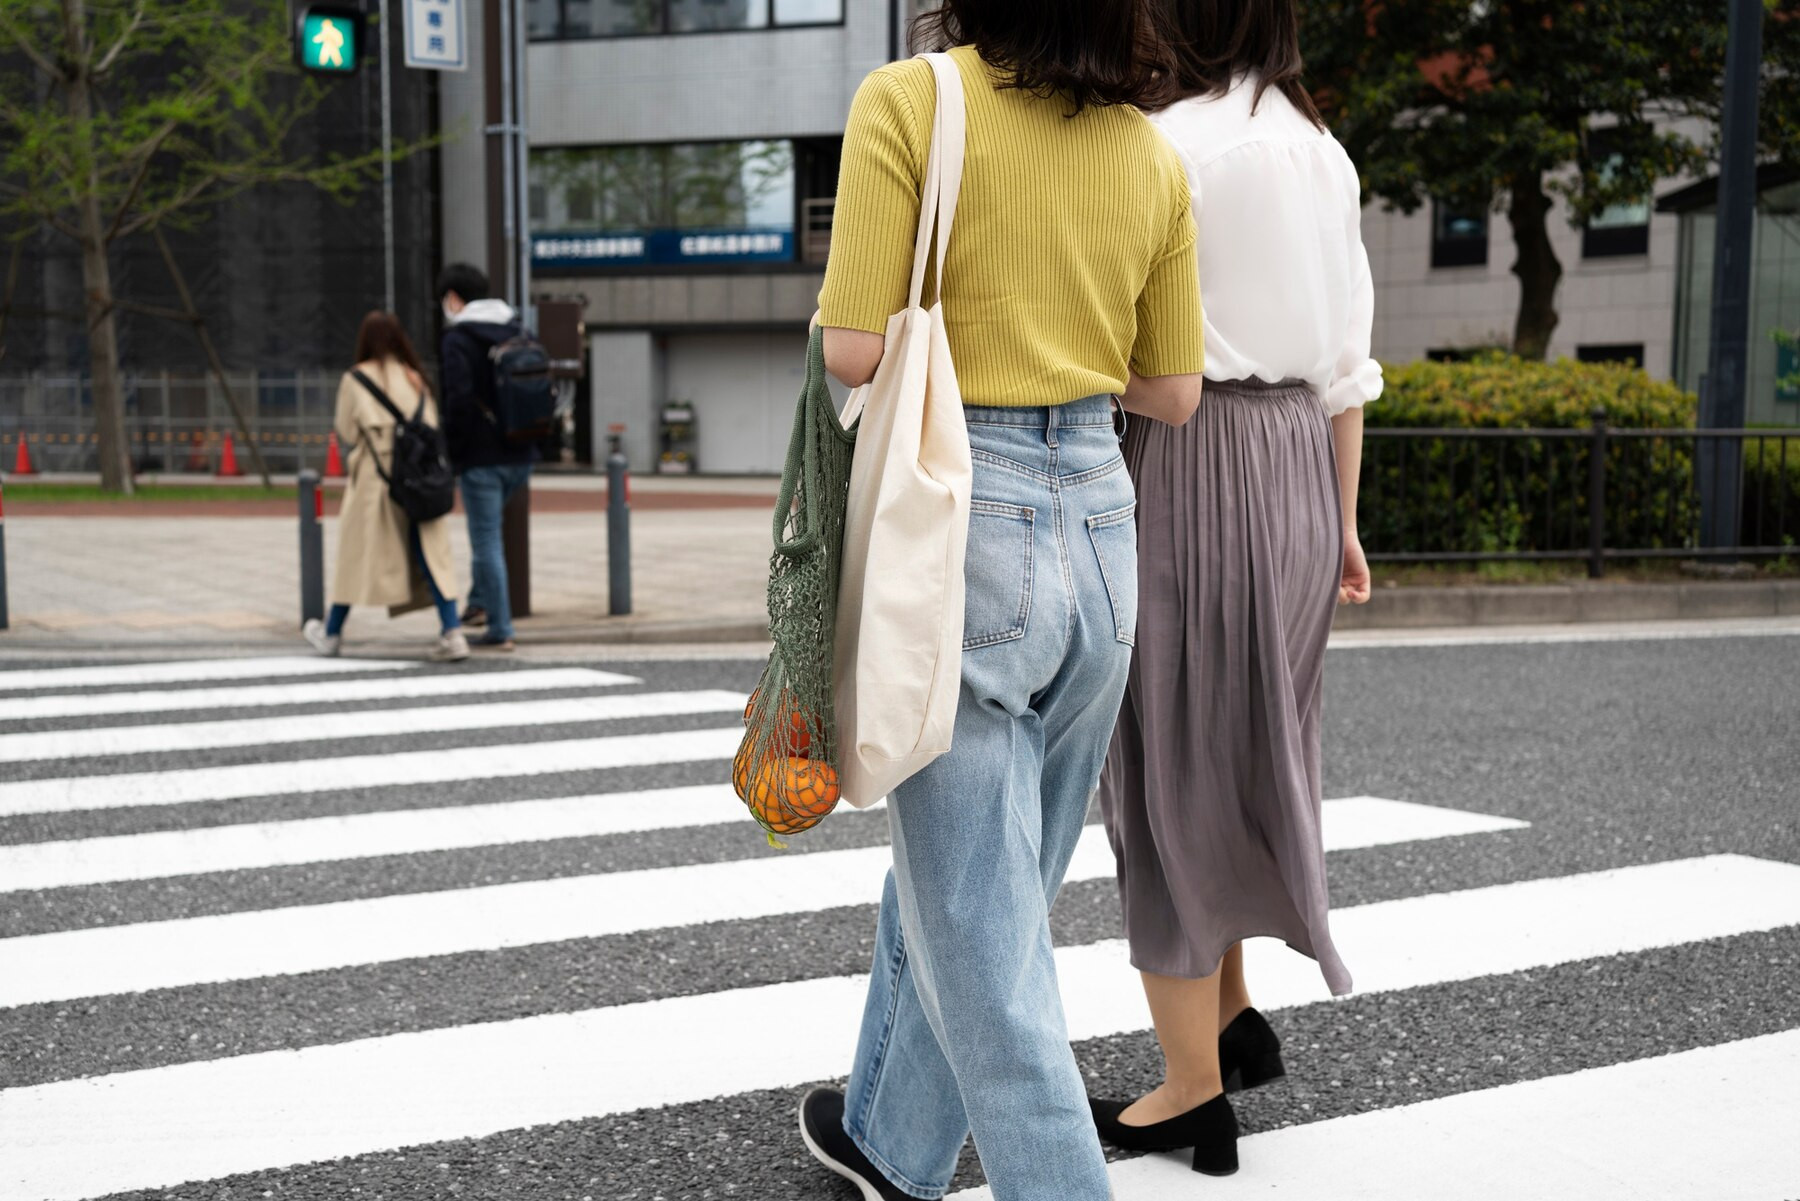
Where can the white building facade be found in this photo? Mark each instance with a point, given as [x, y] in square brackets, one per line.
[684, 159]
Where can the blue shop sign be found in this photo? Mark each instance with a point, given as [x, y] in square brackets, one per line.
[765, 244]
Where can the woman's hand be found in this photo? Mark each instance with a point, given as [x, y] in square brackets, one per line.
[1353, 589]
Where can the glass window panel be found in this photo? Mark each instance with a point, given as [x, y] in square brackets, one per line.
[808, 12]
[543, 19]
[636, 189]
[694, 16]
[1456, 225]
[1619, 216]
[599, 18]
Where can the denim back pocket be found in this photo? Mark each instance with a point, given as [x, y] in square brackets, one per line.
[997, 573]
[1114, 536]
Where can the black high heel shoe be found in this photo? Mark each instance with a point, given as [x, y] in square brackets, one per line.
[1249, 1053]
[1210, 1129]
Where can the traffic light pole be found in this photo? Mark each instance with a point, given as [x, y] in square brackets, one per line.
[387, 158]
[1722, 392]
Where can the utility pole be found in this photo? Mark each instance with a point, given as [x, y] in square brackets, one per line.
[503, 58]
[1722, 393]
[387, 158]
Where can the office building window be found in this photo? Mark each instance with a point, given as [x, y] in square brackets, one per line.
[1619, 229]
[1612, 352]
[555, 19]
[697, 202]
[1459, 236]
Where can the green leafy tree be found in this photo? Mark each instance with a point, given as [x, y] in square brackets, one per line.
[120, 117]
[1495, 104]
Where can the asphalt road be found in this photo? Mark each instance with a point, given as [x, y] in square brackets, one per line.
[1616, 755]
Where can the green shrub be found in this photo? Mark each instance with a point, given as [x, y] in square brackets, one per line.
[1771, 502]
[1523, 494]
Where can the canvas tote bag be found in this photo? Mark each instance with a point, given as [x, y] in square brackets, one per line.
[897, 654]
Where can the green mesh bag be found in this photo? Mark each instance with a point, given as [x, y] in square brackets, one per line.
[786, 768]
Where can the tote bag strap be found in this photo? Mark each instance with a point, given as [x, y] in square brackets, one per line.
[943, 175]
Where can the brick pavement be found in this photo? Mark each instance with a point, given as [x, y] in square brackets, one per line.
[155, 577]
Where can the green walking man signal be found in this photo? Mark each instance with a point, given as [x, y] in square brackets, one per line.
[328, 38]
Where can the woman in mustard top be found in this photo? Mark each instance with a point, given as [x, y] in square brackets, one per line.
[1065, 296]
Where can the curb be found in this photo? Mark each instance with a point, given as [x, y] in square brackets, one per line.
[1389, 609]
[1562, 604]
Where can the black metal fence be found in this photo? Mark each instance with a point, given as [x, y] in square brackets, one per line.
[1451, 495]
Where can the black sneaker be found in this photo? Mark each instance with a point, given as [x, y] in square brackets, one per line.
[474, 617]
[822, 1126]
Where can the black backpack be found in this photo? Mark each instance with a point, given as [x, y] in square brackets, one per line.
[422, 483]
[525, 405]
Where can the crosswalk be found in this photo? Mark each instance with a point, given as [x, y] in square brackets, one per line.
[309, 828]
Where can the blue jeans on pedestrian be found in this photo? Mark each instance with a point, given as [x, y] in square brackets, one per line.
[485, 491]
[963, 1028]
[446, 605]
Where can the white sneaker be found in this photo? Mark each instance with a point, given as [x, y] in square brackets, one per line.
[451, 648]
[326, 644]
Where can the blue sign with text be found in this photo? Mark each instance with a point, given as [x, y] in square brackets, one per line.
[754, 244]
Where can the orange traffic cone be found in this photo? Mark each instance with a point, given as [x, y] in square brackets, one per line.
[334, 459]
[228, 464]
[22, 461]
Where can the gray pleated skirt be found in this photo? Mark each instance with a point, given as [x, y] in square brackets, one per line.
[1211, 788]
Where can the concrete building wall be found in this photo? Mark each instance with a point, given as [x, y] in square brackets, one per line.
[704, 87]
[1602, 301]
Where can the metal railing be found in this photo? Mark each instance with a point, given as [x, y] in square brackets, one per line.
[174, 422]
[1595, 495]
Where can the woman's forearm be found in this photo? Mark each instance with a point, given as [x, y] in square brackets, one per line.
[1172, 399]
[1346, 440]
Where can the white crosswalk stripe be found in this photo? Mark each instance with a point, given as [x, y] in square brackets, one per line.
[1631, 1130]
[324, 727]
[65, 794]
[1350, 823]
[181, 1115]
[338, 692]
[273, 942]
[187, 670]
[197, 1121]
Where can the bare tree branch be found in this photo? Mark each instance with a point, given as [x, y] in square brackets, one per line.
[26, 47]
[118, 47]
[148, 154]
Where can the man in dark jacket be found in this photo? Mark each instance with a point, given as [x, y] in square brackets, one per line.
[491, 468]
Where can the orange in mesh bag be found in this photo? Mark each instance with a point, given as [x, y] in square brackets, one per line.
[787, 792]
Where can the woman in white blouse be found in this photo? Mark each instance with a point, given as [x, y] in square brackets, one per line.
[1246, 543]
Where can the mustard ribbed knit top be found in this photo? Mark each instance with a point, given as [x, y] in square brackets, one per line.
[1072, 254]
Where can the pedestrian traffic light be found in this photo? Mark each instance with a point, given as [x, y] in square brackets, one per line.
[328, 38]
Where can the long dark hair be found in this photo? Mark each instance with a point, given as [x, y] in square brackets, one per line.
[381, 337]
[1212, 42]
[1093, 52]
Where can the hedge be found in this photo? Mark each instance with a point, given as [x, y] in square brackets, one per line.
[1530, 494]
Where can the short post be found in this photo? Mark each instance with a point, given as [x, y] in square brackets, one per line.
[4, 620]
[1597, 496]
[618, 525]
[312, 548]
[515, 547]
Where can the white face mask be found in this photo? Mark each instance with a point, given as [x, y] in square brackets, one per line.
[449, 315]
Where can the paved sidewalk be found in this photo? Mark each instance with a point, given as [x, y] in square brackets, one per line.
[148, 578]
[229, 577]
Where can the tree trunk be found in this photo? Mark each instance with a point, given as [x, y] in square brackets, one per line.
[1537, 267]
[96, 272]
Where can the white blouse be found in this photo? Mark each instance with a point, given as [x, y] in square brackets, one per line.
[1284, 278]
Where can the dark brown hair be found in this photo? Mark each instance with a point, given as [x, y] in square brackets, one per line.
[1213, 42]
[1092, 52]
[383, 337]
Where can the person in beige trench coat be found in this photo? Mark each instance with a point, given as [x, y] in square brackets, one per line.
[383, 557]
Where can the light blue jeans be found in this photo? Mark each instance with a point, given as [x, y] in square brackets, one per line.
[964, 1026]
[485, 491]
